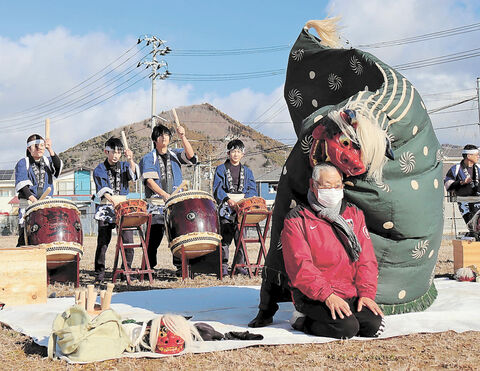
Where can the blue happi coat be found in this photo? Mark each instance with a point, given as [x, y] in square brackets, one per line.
[106, 213]
[25, 176]
[221, 188]
[150, 168]
[102, 180]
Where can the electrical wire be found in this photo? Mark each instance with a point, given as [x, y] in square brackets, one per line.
[425, 37]
[52, 100]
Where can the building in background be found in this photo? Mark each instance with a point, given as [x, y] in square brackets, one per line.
[267, 185]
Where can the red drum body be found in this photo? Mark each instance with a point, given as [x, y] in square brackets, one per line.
[250, 205]
[191, 220]
[133, 212]
[54, 225]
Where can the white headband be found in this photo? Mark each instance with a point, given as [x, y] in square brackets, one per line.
[108, 148]
[234, 148]
[34, 142]
[470, 152]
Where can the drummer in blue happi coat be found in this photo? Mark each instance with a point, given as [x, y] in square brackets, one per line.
[232, 182]
[162, 174]
[34, 174]
[111, 178]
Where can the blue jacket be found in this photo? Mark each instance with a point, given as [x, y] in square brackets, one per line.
[150, 167]
[220, 184]
[25, 176]
[102, 180]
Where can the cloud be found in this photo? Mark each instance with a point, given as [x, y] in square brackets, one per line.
[366, 22]
[38, 67]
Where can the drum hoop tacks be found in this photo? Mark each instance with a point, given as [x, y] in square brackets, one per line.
[188, 195]
[196, 237]
[47, 204]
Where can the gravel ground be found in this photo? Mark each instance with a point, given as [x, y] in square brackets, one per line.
[447, 350]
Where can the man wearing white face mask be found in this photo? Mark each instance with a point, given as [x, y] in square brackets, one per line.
[330, 263]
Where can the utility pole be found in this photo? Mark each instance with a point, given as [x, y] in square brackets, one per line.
[159, 68]
[478, 100]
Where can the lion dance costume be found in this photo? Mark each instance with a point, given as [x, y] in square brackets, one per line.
[353, 110]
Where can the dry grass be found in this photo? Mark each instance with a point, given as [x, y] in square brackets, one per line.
[447, 350]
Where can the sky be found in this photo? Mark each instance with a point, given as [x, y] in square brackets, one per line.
[62, 60]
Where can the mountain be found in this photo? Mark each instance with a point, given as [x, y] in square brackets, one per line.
[208, 130]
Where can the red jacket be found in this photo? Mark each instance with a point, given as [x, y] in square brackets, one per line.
[316, 261]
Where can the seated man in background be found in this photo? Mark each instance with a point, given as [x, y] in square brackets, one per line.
[462, 180]
[330, 262]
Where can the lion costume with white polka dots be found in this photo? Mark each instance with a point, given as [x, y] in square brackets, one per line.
[402, 198]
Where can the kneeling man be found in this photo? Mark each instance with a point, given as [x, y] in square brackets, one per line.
[330, 262]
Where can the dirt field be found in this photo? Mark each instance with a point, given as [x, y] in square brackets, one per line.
[447, 350]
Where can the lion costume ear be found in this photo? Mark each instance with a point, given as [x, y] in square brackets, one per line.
[388, 150]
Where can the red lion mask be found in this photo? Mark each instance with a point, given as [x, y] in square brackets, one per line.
[331, 144]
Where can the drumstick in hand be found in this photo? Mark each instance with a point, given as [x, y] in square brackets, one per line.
[177, 122]
[124, 140]
[183, 184]
[45, 194]
[47, 128]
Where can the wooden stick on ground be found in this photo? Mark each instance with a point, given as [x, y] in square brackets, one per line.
[108, 296]
[92, 296]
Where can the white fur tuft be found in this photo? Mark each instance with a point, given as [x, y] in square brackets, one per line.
[327, 30]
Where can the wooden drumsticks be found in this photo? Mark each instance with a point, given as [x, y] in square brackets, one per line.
[87, 298]
[124, 140]
[179, 188]
[177, 121]
[47, 128]
[108, 296]
[45, 193]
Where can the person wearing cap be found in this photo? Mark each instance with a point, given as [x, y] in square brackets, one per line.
[34, 174]
[111, 179]
[161, 170]
[232, 179]
[463, 178]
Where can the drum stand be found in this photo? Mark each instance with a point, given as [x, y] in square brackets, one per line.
[242, 241]
[186, 268]
[120, 249]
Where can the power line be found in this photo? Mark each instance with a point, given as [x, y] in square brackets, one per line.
[467, 54]
[51, 100]
[428, 36]
[455, 111]
[226, 52]
[456, 126]
[450, 105]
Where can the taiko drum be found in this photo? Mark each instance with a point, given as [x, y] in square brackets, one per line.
[191, 220]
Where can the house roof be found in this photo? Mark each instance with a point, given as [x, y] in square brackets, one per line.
[271, 176]
[7, 174]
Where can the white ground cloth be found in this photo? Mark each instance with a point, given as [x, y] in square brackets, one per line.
[230, 308]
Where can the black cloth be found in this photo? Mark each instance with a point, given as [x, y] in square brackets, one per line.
[235, 172]
[208, 333]
[230, 232]
[103, 239]
[156, 235]
[25, 192]
[21, 236]
[319, 321]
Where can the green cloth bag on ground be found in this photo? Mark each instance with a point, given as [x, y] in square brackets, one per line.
[85, 339]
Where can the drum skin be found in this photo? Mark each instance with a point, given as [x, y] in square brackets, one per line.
[191, 220]
[134, 212]
[55, 225]
[251, 205]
